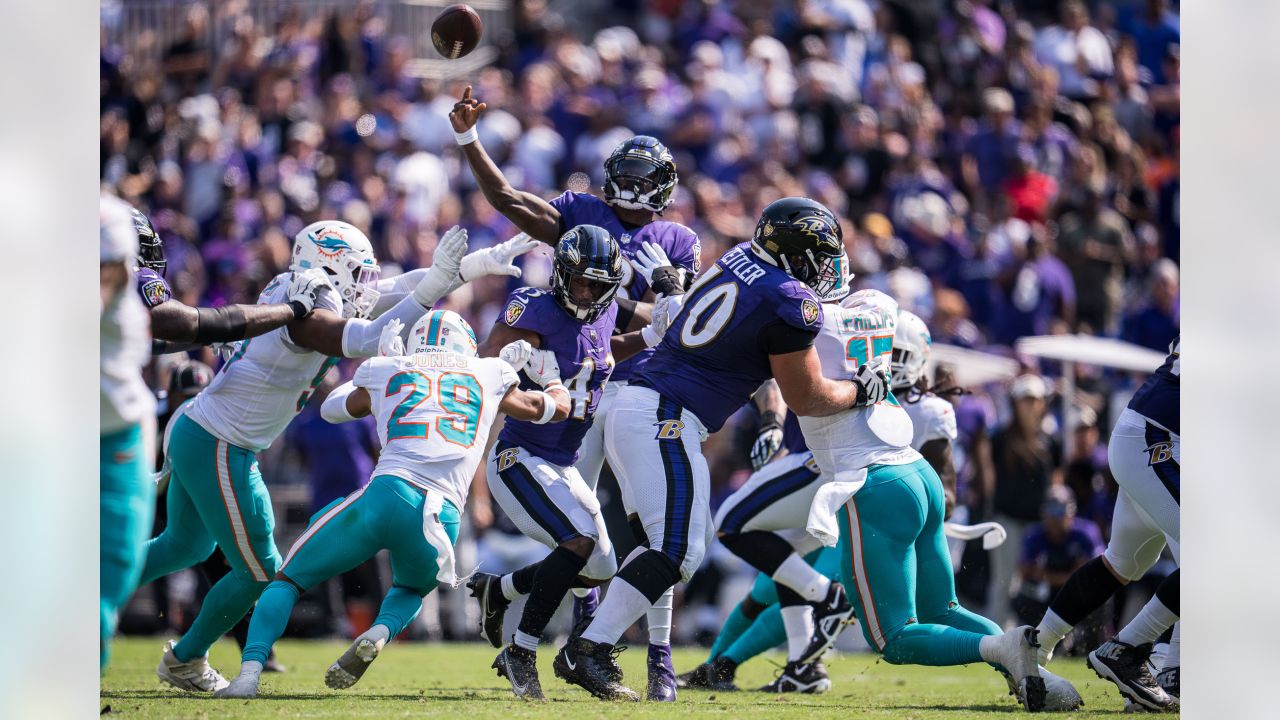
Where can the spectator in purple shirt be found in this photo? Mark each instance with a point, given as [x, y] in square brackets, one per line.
[1038, 289]
[1053, 549]
[986, 156]
[1156, 324]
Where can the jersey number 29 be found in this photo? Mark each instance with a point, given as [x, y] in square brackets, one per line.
[459, 399]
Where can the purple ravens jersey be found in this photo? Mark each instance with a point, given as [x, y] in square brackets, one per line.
[679, 242]
[792, 439]
[152, 288]
[716, 352]
[582, 351]
[1157, 399]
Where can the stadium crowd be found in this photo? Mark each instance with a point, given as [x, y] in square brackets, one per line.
[1004, 169]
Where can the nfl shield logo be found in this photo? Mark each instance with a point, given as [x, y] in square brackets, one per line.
[809, 311]
[624, 238]
[514, 310]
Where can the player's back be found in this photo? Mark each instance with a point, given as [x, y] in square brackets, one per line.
[716, 352]
[1158, 398]
[881, 433]
[265, 382]
[434, 411]
[932, 418]
[124, 329]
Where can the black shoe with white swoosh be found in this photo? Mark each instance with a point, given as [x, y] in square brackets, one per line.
[797, 677]
[1126, 666]
[520, 667]
[829, 617]
[493, 605]
[590, 666]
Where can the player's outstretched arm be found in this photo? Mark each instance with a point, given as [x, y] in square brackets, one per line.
[179, 323]
[937, 453]
[527, 211]
[345, 403]
[807, 392]
[533, 405]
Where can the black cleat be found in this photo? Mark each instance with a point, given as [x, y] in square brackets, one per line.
[808, 678]
[593, 667]
[662, 675]
[493, 605]
[1126, 666]
[715, 675]
[520, 667]
[829, 618]
[1168, 681]
[699, 677]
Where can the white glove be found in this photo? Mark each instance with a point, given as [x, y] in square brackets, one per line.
[665, 309]
[497, 259]
[304, 288]
[390, 343]
[517, 354]
[873, 383]
[542, 367]
[445, 267]
[768, 441]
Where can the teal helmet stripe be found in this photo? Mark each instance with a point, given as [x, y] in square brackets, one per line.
[433, 330]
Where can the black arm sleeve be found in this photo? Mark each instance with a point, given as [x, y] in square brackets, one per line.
[779, 338]
[224, 324]
[626, 310]
[164, 347]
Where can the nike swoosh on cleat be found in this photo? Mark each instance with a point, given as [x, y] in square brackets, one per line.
[572, 665]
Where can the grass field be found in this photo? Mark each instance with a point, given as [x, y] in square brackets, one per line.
[455, 681]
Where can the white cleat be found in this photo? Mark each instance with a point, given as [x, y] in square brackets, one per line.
[243, 687]
[348, 669]
[194, 675]
[1017, 650]
[1060, 694]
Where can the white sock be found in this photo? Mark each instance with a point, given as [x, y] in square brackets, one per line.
[989, 648]
[1174, 656]
[798, 575]
[251, 668]
[1148, 624]
[579, 592]
[658, 618]
[528, 642]
[377, 633]
[798, 620]
[509, 587]
[1052, 629]
[621, 607]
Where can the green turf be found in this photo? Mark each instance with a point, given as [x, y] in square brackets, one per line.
[455, 681]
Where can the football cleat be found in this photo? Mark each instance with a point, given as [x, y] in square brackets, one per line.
[810, 678]
[1060, 694]
[592, 666]
[244, 687]
[348, 669]
[715, 675]
[194, 675]
[699, 677]
[1016, 651]
[662, 675]
[520, 667]
[829, 617]
[487, 589]
[1168, 681]
[1126, 666]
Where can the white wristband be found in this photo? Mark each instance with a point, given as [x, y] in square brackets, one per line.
[468, 137]
[650, 336]
[548, 408]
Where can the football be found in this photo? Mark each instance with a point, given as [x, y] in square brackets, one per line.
[456, 31]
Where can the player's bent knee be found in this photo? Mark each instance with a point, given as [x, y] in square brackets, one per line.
[751, 608]
[1125, 570]
[651, 572]
[582, 545]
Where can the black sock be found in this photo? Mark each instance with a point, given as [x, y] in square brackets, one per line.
[762, 549]
[1168, 592]
[522, 579]
[1086, 590]
[651, 572]
[555, 576]
[788, 597]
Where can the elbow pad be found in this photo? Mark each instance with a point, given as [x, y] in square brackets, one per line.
[334, 408]
[224, 324]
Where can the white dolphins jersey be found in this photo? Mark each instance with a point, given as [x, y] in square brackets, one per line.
[266, 381]
[932, 418]
[877, 435]
[124, 328]
[434, 412]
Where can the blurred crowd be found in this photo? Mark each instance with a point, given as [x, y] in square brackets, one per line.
[1003, 168]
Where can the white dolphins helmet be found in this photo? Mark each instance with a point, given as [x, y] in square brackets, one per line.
[844, 280]
[871, 300]
[442, 330]
[911, 348]
[347, 255]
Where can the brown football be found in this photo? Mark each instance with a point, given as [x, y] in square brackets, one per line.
[456, 31]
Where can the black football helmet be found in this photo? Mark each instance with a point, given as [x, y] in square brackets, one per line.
[588, 252]
[640, 174]
[802, 237]
[150, 246]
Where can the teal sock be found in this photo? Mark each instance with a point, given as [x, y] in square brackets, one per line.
[228, 600]
[734, 626]
[269, 620]
[928, 644]
[765, 633]
[399, 608]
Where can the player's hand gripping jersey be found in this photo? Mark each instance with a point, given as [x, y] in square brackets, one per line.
[859, 332]
[267, 380]
[434, 411]
[679, 242]
[716, 352]
[582, 351]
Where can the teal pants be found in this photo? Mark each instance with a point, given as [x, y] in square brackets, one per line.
[749, 630]
[387, 514]
[216, 497]
[897, 570]
[126, 505]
